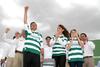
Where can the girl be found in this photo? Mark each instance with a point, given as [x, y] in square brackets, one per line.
[75, 52]
[59, 42]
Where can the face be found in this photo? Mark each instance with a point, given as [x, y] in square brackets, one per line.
[48, 40]
[60, 30]
[83, 37]
[17, 35]
[73, 33]
[33, 26]
[23, 34]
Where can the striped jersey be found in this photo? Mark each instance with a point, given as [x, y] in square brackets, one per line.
[59, 45]
[33, 41]
[75, 53]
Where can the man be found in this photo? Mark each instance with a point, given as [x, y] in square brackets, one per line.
[33, 43]
[88, 51]
[18, 60]
[12, 46]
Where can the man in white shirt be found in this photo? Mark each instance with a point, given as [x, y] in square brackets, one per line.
[88, 51]
[12, 45]
[18, 60]
[48, 52]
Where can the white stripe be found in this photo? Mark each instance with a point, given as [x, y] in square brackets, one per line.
[76, 56]
[76, 46]
[59, 49]
[34, 42]
[38, 39]
[58, 52]
[75, 51]
[58, 46]
[32, 47]
[36, 35]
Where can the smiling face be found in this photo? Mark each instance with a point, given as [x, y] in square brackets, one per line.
[60, 30]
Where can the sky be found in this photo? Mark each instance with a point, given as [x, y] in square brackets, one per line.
[83, 15]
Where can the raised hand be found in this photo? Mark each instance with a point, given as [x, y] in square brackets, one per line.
[25, 14]
[26, 8]
[7, 30]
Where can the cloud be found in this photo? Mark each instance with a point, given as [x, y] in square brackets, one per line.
[83, 15]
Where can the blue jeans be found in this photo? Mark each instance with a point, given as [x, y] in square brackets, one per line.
[76, 64]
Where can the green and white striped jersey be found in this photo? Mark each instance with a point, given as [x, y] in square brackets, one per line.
[59, 45]
[33, 41]
[75, 53]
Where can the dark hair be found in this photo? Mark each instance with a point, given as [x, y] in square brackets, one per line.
[65, 32]
[14, 37]
[83, 34]
[32, 23]
[73, 30]
[48, 37]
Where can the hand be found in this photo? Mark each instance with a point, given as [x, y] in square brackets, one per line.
[7, 30]
[26, 8]
[76, 34]
[57, 34]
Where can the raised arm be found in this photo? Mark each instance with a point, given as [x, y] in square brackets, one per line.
[25, 14]
[79, 41]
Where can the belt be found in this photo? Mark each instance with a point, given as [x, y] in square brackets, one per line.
[18, 51]
[88, 57]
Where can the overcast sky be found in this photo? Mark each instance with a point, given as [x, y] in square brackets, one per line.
[84, 15]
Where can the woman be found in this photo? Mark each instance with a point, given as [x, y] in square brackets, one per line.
[59, 41]
[75, 52]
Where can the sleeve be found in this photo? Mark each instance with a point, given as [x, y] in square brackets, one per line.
[53, 40]
[4, 36]
[92, 45]
[26, 28]
[5, 39]
[41, 42]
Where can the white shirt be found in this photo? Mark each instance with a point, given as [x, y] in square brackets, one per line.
[88, 48]
[4, 48]
[20, 44]
[12, 45]
[47, 52]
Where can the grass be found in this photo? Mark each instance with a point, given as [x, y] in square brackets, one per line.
[96, 51]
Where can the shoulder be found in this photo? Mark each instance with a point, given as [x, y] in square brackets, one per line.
[90, 42]
[39, 34]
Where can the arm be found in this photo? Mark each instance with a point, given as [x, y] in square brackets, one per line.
[68, 46]
[92, 45]
[26, 27]
[25, 14]
[79, 41]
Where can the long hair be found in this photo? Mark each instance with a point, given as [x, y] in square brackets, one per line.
[65, 32]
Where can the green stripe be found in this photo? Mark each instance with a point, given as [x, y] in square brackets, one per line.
[58, 48]
[57, 44]
[26, 32]
[71, 49]
[33, 40]
[34, 45]
[59, 54]
[37, 34]
[73, 54]
[31, 50]
[59, 51]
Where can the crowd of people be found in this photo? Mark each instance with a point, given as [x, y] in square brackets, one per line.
[64, 48]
